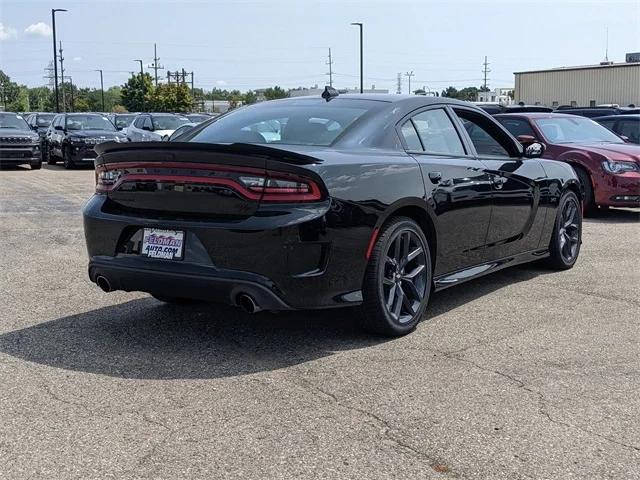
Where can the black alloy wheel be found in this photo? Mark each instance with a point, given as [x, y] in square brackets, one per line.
[567, 234]
[398, 279]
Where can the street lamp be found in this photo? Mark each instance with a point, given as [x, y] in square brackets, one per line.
[141, 83]
[141, 72]
[55, 56]
[361, 69]
[101, 89]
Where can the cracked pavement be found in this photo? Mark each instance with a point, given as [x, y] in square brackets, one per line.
[524, 374]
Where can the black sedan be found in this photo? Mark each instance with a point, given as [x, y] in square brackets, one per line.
[366, 200]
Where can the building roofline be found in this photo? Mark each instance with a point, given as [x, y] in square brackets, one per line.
[581, 67]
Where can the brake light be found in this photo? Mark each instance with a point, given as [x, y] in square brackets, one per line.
[252, 183]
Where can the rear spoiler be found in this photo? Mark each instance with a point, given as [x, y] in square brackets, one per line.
[168, 151]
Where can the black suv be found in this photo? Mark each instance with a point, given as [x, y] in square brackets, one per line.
[72, 136]
[18, 143]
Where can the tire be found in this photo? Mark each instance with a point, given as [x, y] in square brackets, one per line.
[589, 204]
[50, 159]
[397, 281]
[175, 300]
[66, 158]
[566, 239]
[36, 166]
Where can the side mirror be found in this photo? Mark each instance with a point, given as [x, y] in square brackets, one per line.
[532, 147]
[625, 138]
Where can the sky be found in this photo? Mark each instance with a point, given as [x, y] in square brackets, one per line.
[249, 44]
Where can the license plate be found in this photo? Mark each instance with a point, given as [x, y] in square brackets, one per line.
[165, 244]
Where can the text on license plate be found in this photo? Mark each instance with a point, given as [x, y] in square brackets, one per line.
[165, 244]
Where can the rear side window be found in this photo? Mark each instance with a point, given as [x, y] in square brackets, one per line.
[486, 136]
[517, 127]
[437, 133]
[138, 122]
[607, 123]
[411, 137]
[629, 129]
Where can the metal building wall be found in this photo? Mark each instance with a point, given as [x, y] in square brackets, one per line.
[611, 84]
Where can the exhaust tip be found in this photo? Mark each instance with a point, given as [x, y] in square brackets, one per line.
[103, 283]
[247, 303]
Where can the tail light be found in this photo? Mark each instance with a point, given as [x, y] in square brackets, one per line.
[254, 184]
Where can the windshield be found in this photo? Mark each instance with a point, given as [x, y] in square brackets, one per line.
[44, 120]
[575, 130]
[195, 118]
[168, 122]
[291, 123]
[11, 120]
[123, 121]
[89, 122]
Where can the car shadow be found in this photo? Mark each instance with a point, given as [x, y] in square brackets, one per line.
[146, 339]
[614, 215]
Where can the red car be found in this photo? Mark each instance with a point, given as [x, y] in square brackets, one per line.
[608, 167]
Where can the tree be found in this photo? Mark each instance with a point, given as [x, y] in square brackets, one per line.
[450, 92]
[273, 93]
[172, 97]
[468, 93]
[41, 99]
[250, 97]
[136, 91]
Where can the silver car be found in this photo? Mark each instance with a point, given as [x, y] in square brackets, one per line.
[154, 127]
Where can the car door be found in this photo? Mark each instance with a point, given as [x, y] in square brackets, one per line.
[516, 219]
[147, 129]
[55, 139]
[456, 184]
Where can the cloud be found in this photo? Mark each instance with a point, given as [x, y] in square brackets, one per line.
[220, 83]
[7, 32]
[77, 59]
[39, 29]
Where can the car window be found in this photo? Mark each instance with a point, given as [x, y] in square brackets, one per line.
[11, 120]
[411, 137]
[147, 123]
[303, 122]
[168, 122]
[629, 129]
[487, 138]
[138, 122]
[607, 123]
[437, 133]
[517, 126]
[575, 129]
[42, 120]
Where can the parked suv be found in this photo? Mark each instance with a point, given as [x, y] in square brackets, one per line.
[154, 127]
[18, 143]
[627, 126]
[72, 136]
[122, 120]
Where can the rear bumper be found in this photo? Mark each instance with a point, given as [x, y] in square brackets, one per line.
[286, 258]
[185, 281]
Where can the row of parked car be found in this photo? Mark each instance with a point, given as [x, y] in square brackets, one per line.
[70, 137]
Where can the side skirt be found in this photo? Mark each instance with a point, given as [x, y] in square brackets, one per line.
[450, 279]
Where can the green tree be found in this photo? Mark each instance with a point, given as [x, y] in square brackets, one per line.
[136, 92]
[450, 92]
[170, 98]
[273, 93]
[250, 97]
[468, 93]
[41, 99]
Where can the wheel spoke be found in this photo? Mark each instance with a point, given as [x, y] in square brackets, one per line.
[413, 254]
[392, 296]
[414, 273]
[413, 290]
[387, 281]
[396, 251]
[399, 299]
[408, 304]
[405, 247]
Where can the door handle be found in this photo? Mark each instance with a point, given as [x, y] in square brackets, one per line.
[435, 177]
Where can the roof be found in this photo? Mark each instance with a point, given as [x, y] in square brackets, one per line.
[632, 116]
[534, 115]
[382, 97]
[582, 67]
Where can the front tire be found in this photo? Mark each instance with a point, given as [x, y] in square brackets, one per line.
[589, 204]
[36, 166]
[564, 247]
[66, 158]
[397, 281]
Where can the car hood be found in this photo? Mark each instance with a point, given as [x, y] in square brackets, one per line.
[94, 133]
[16, 132]
[612, 151]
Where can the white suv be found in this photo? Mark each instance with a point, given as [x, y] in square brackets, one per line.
[154, 127]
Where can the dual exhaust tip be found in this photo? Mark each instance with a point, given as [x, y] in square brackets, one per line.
[244, 300]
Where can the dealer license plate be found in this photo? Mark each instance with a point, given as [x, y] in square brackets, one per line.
[165, 244]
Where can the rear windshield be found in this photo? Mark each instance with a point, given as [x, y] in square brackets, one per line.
[11, 120]
[44, 120]
[289, 123]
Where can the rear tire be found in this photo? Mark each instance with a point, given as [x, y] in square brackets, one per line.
[397, 282]
[589, 203]
[564, 247]
[36, 166]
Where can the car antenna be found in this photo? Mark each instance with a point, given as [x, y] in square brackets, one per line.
[329, 93]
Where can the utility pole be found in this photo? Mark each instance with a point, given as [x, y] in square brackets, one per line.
[399, 83]
[101, 89]
[141, 83]
[55, 59]
[155, 64]
[330, 63]
[64, 100]
[485, 71]
[361, 60]
[192, 91]
[409, 75]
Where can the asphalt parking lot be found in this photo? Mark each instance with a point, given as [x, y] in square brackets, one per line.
[524, 374]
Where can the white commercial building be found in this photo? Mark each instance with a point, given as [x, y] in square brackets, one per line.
[503, 96]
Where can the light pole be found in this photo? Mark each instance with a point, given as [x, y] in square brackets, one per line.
[141, 84]
[101, 89]
[55, 56]
[361, 68]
